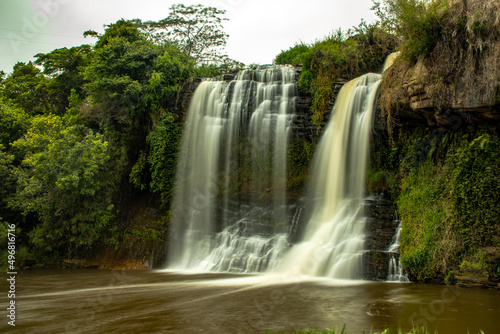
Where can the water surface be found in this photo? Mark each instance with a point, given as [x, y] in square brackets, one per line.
[95, 301]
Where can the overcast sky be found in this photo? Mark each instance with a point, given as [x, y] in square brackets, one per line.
[258, 29]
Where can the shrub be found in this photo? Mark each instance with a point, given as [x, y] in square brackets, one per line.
[294, 55]
[419, 23]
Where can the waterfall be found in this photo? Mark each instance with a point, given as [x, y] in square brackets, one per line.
[333, 241]
[396, 272]
[389, 60]
[230, 192]
[230, 210]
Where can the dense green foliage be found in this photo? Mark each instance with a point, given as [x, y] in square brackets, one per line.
[293, 56]
[66, 69]
[163, 147]
[128, 79]
[87, 132]
[63, 179]
[300, 156]
[28, 88]
[13, 123]
[447, 189]
[475, 175]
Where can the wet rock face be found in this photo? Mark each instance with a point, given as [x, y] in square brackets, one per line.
[377, 265]
[185, 93]
[380, 222]
[251, 220]
[380, 228]
[303, 126]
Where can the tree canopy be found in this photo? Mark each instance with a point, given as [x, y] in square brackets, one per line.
[196, 30]
[63, 179]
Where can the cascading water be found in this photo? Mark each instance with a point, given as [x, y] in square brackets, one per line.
[396, 272]
[231, 178]
[333, 240]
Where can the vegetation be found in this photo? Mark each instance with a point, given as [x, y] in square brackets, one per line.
[63, 178]
[447, 194]
[29, 89]
[196, 31]
[339, 57]
[89, 135]
[300, 156]
[164, 144]
[418, 23]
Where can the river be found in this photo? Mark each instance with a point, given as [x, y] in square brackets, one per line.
[98, 301]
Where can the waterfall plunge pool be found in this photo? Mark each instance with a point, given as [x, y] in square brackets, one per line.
[99, 301]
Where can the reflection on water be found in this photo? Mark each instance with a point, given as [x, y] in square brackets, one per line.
[88, 301]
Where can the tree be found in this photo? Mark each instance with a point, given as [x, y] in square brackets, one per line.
[13, 123]
[129, 77]
[195, 30]
[28, 88]
[117, 76]
[123, 29]
[66, 68]
[6, 178]
[130, 83]
[63, 179]
[385, 10]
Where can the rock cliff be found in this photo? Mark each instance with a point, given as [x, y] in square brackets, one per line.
[458, 82]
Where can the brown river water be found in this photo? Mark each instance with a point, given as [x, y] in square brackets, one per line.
[95, 301]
